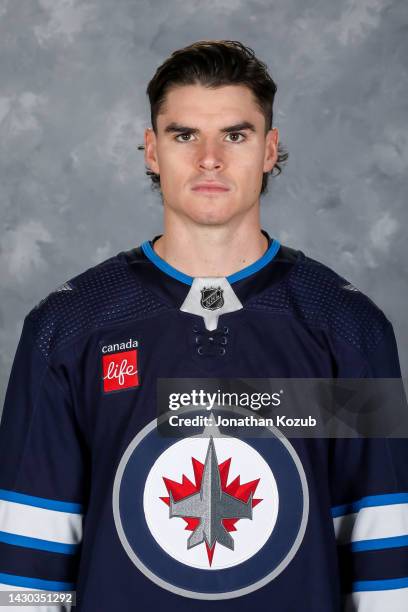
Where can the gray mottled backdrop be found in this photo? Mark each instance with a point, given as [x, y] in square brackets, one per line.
[73, 192]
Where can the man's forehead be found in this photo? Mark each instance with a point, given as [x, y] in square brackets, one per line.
[192, 104]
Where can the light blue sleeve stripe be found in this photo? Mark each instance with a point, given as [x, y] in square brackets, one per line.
[36, 583]
[379, 543]
[380, 585]
[369, 502]
[257, 265]
[41, 502]
[37, 544]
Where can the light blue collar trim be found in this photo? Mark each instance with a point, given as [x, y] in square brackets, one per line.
[257, 265]
[232, 278]
[164, 266]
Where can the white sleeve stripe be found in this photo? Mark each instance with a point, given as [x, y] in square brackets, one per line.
[372, 523]
[31, 522]
[395, 600]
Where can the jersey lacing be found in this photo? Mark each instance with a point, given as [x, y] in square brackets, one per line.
[211, 342]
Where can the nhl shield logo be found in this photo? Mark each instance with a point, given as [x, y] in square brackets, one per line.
[210, 518]
[212, 298]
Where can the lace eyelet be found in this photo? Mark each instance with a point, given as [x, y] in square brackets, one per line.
[222, 351]
[200, 350]
[195, 329]
[224, 340]
[226, 330]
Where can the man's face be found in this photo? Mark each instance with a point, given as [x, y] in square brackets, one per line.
[211, 152]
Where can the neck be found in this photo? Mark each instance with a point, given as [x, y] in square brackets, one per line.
[221, 250]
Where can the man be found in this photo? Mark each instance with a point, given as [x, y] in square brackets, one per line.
[93, 498]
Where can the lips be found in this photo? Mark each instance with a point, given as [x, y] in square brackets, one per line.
[211, 186]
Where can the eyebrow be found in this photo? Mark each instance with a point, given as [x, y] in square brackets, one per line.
[238, 127]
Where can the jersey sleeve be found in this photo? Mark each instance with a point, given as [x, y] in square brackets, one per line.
[42, 476]
[369, 480]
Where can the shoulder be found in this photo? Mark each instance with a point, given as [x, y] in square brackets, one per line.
[320, 297]
[102, 295]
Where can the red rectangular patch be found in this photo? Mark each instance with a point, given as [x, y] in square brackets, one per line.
[120, 371]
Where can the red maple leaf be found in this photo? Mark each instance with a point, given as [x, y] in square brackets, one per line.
[182, 489]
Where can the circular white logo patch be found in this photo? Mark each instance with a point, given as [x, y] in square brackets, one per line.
[210, 517]
[244, 485]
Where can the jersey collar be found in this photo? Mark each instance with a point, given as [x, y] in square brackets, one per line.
[260, 263]
[172, 285]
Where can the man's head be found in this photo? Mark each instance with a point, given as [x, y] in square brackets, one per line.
[211, 113]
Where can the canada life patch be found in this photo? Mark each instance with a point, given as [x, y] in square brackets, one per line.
[210, 517]
[120, 371]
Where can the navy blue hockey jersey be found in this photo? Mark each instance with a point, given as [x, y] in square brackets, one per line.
[93, 499]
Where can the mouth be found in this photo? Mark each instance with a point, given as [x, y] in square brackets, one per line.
[209, 188]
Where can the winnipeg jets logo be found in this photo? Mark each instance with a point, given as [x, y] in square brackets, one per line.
[212, 298]
[210, 518]
[212, 511]
[211, 503]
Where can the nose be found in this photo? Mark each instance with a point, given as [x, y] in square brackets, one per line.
[210, 157]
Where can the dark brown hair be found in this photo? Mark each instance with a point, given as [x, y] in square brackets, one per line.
[215, 63]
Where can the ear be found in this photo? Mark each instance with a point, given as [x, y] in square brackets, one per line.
[150, 148]
[271, 149]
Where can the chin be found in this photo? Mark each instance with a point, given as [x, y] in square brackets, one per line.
[211, 221]
[210, 212]
[210, 217]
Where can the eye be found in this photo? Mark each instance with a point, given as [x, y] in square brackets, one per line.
[185, 137]
[236, 134]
